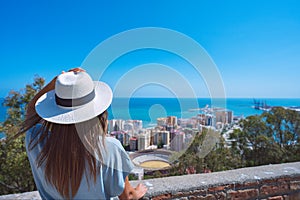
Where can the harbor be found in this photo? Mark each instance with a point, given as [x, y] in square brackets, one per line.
[262, 105]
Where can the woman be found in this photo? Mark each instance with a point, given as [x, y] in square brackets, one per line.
[70, 156]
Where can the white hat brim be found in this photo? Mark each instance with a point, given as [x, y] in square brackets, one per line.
[47, 108]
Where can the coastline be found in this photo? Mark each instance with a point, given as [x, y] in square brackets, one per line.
[149, 109]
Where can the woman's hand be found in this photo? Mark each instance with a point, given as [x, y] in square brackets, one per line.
[140, 190]
[76, 70]
[133, 193]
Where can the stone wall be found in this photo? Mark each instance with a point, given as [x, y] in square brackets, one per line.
[270, 182]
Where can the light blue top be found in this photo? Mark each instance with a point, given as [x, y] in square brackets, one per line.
[110, 181]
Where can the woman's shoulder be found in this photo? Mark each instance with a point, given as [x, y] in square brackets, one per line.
[114, 147]
[31, 133]
[115, 155]
[113, 142]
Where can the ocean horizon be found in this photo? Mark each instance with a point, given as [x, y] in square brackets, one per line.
[149, 109]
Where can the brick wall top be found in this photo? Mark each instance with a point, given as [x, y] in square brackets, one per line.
[177, 184]
[188, 183]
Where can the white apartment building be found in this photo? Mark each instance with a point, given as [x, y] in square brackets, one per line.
[143, 141]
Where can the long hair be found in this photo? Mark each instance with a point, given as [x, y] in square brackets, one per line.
[69, 151]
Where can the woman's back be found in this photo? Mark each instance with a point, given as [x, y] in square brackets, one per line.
[69, 153]
[109, 182]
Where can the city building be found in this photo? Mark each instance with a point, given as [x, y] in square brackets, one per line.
[143, 141]
[128, 126]
[161, 137]
[122, 136]
[178, 142]
[210, 120]
[137, 125]
[162, 121]
[133, 144]
[224, 116]
[230, 116]
[133, 126]
[116, 125]
[170, 132]
[201, 118]
[172, 121]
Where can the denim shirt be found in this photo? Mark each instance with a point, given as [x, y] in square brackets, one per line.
[110, 181]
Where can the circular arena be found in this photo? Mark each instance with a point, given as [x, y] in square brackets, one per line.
[152, 160]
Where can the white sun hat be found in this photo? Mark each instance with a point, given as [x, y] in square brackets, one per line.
[76, 98]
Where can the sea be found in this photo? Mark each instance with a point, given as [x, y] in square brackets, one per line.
[149, 109]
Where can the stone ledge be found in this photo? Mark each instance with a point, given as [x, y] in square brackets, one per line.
[27, 195]
[230, 184]
[230, 178]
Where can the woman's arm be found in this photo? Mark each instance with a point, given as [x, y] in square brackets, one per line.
[31, 105]
[133, 193]
[32, 117]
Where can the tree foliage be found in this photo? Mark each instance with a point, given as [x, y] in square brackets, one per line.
[216, 157]
[15, 172]
[270, 138]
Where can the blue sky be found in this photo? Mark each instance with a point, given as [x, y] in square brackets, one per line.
[254, 44]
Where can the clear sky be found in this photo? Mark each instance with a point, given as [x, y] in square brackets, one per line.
[254, 44]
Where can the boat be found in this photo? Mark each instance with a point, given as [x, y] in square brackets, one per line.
[261, 105]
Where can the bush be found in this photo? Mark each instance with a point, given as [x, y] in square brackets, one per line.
[15, 171]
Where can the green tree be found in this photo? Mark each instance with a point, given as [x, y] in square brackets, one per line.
[285, 125]
[285, 128]
[272, 137]
[194, 156]
[15, 171]
[222, 158]
[255, 143]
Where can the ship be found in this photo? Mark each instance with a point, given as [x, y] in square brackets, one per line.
[261, 105]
